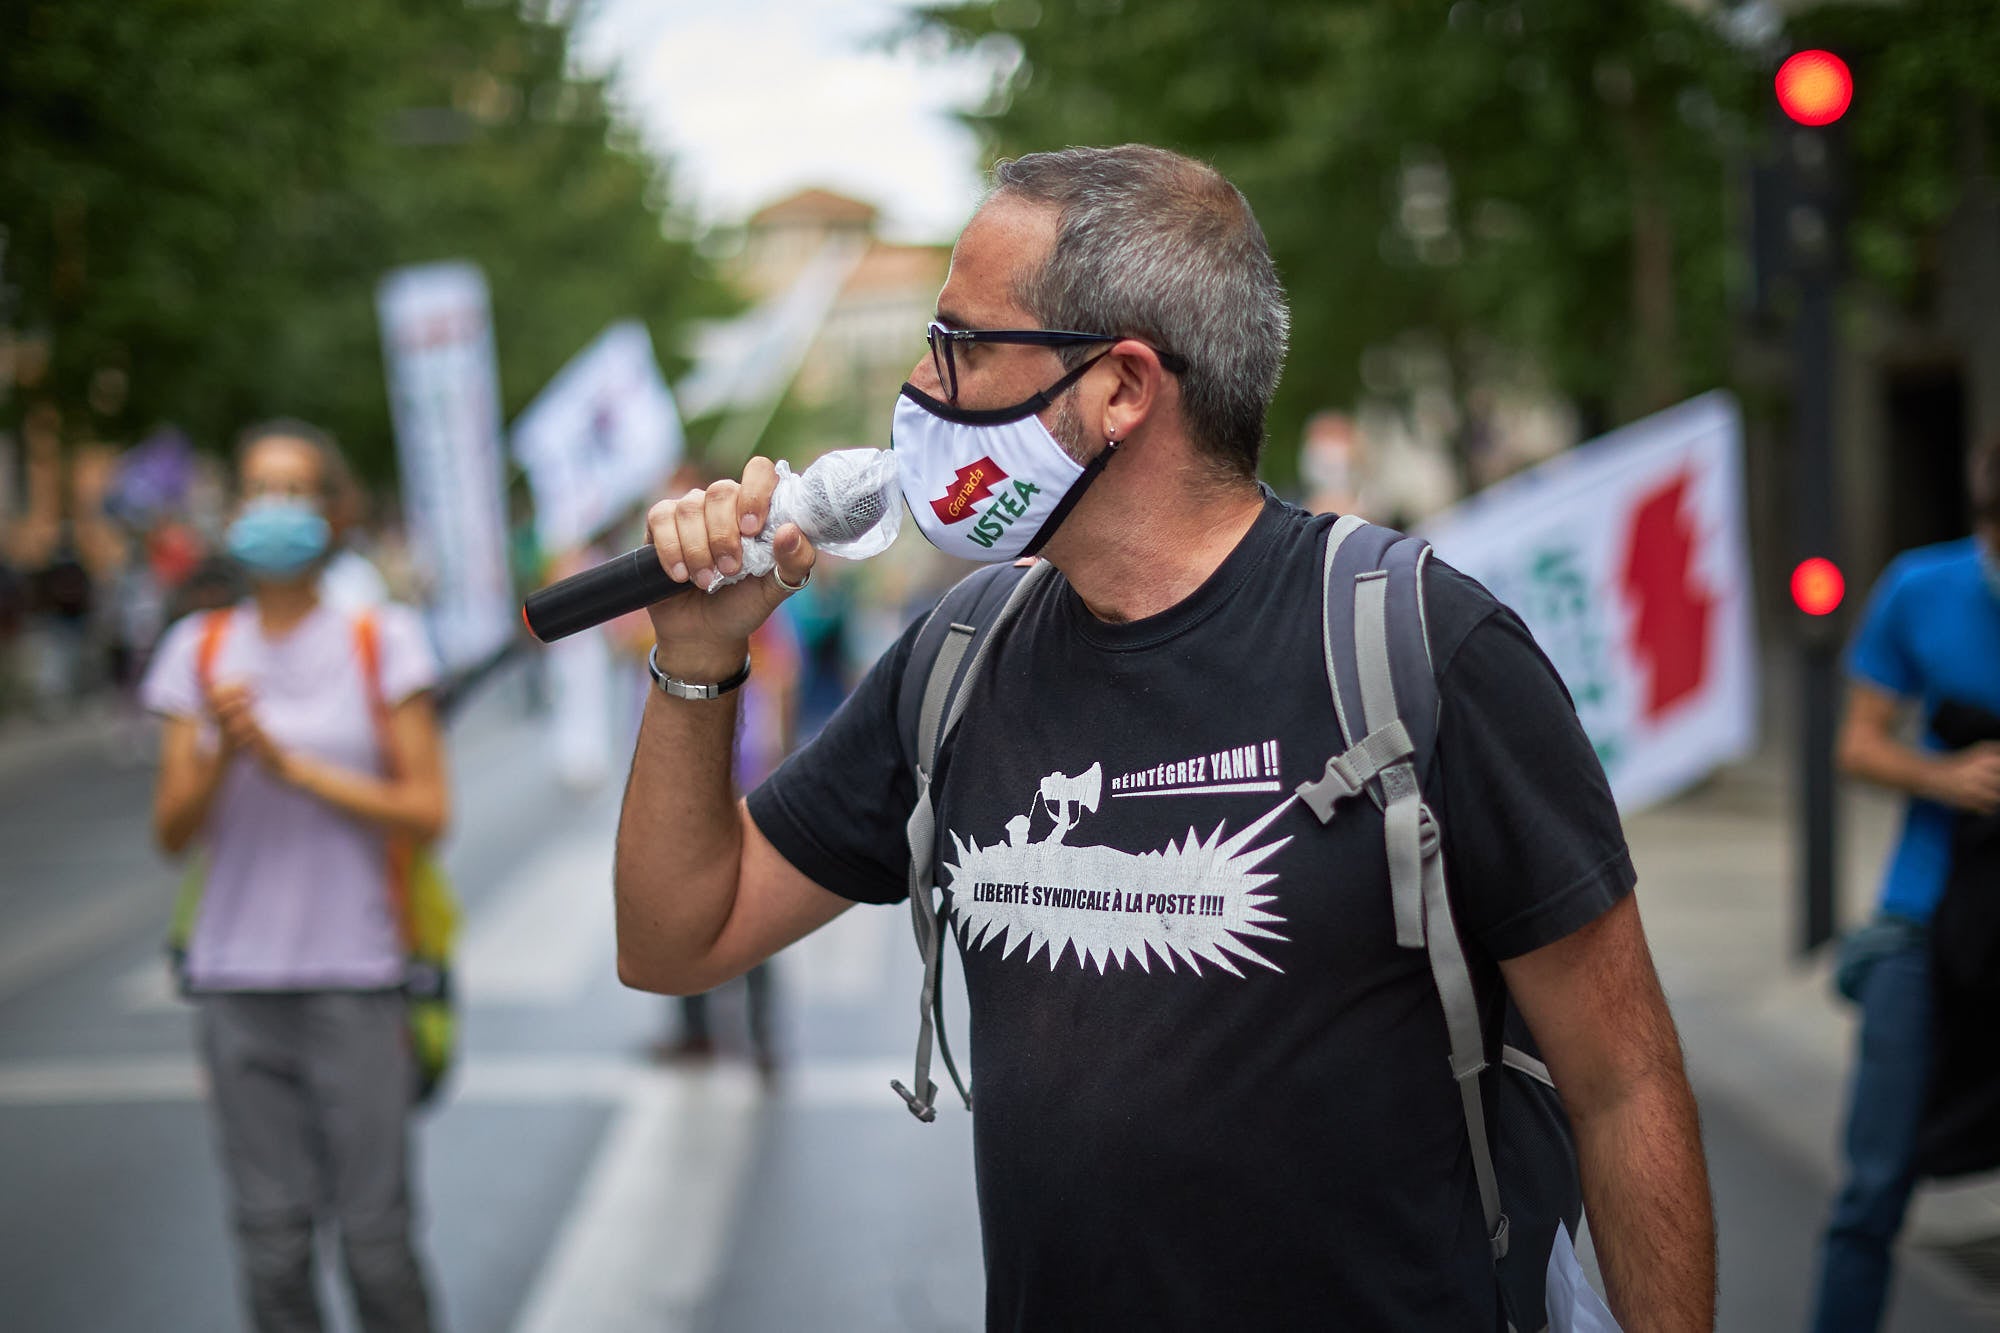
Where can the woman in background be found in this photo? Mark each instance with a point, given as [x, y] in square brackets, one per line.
[299, 738]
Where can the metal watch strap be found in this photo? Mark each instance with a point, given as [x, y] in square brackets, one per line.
[682, 689]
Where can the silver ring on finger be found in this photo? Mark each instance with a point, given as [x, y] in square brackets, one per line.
[779, 575]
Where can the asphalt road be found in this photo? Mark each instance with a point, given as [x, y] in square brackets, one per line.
[569, 1182]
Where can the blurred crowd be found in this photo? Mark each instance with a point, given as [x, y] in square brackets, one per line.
[110, 546]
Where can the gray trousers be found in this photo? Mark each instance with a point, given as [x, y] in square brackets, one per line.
[312, 1098]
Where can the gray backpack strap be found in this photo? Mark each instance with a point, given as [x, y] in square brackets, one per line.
[1383, 747]
[1379, 671]
[944, 697]
[921, 831]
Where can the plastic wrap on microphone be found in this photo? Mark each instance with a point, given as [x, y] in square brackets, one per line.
[846, 502]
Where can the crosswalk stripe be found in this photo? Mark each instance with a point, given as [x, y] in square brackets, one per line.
[549, 934]
[670, 1170]
[497, 1080]
[44, 948]
[846, 960]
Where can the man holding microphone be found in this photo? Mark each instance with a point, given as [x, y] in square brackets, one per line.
[1264, 1131]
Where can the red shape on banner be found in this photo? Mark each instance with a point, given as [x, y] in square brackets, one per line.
[1672, 624]
[973, 483]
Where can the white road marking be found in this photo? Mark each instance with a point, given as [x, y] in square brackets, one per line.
[549, 934]
[44, 948]
[643, 1244]
[644, 1241]
[100, 1082]
[495, 1081]
[847, 959]
[149, 988]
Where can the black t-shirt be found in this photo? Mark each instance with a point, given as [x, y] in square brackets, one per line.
[1211, 1090]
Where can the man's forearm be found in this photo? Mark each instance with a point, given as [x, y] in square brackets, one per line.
[1645, 1191]
[679, 842]
[1887, 762]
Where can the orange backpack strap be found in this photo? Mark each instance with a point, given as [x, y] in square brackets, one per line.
[402, 853]
[214, 625]
[368, 647]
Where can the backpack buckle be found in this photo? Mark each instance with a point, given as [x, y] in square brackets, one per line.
[1337, 784]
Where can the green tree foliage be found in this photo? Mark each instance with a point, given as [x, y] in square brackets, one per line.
[1516, 182]
[1924, 126]
[1553, 185]
[199, 197]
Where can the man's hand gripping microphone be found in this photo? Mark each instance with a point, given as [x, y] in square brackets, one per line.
[846, 503]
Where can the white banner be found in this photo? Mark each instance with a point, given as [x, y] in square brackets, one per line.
[444, 394]
[1628, 559]
[601, 438]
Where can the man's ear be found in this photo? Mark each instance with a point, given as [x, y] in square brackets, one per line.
[1138, 385]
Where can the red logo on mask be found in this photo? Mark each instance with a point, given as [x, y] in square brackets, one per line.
[973, 483]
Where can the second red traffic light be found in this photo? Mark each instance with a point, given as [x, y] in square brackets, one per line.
[1818, 586]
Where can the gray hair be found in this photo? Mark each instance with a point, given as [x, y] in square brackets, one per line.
[1160, 247]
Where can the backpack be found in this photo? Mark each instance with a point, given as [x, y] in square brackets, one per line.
[420, 896]
[1384, 695]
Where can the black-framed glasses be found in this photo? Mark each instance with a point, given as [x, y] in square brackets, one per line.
[942, 340]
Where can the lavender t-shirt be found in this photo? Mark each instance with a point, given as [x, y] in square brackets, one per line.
[296, 897]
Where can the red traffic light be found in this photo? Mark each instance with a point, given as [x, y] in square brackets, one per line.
[1818, 586]
[1814, 87]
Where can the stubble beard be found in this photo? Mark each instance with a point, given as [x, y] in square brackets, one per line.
[1068, 429]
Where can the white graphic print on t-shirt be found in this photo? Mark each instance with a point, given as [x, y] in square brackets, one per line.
[1239, 768]
[1188, 902]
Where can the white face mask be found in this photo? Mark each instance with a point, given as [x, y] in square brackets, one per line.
[987, 484]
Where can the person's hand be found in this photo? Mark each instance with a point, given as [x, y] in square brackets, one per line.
[699, 539]
[1969, 779]
[232, 706]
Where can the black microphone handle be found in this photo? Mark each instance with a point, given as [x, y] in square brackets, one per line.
[629, 582]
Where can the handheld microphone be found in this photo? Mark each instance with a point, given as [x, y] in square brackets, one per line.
[846, 503]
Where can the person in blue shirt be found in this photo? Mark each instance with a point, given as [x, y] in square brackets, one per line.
[1931, 635]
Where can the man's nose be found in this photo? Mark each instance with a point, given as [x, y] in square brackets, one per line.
[925, 377]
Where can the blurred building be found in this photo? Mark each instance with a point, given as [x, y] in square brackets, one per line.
[837, 321]
[781, 239]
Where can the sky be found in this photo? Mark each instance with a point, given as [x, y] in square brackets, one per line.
[750, 100]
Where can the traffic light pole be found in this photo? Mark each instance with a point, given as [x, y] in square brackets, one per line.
[1814, 89]
[1813, 352]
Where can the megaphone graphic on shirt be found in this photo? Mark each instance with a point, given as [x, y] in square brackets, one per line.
[1064, 794]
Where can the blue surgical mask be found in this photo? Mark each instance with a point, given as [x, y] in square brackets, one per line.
[277, 536]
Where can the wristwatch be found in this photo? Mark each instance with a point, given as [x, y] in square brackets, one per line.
[682, 689]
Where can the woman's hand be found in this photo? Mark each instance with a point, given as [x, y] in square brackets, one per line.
[235, 717]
